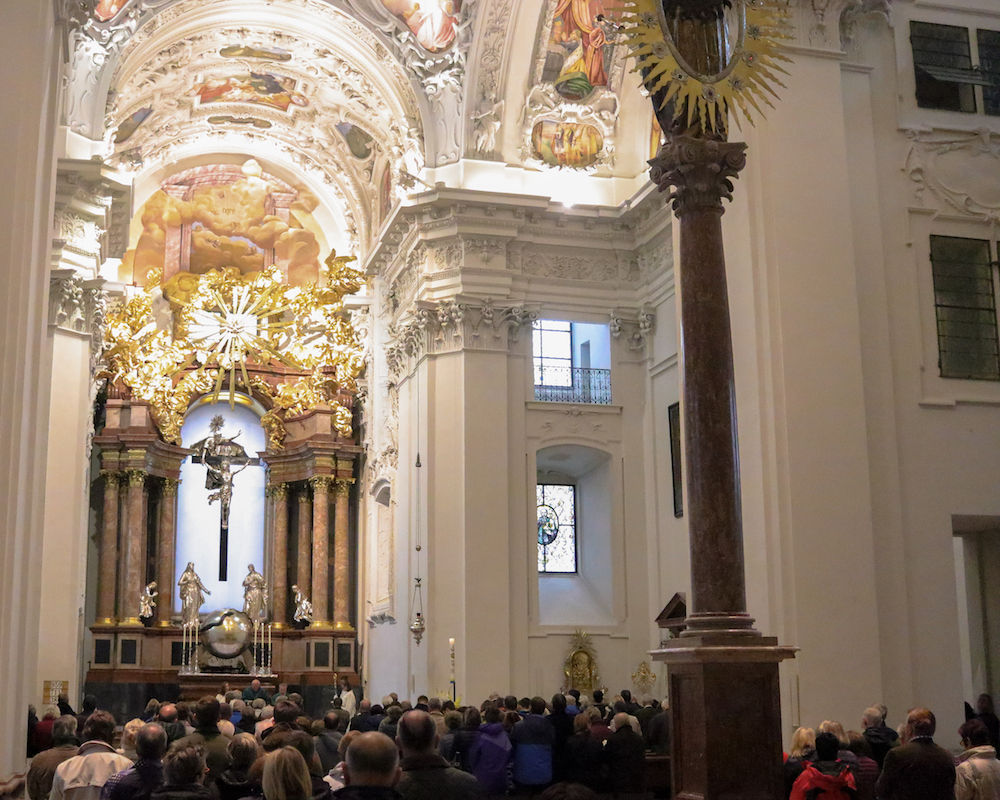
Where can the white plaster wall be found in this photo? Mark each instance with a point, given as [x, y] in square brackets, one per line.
[64, 551]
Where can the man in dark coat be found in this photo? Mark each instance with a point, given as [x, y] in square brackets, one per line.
[371, 768]
[43, 766]
[880, 738]
[625, 756]
[140, 780]
[919, 769]
[207, 735]
[427, 776]
[328, 741]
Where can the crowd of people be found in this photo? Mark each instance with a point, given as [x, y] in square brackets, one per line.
[251, 746]
[901, 764]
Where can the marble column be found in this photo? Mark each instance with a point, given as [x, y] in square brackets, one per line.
[108, 551]
[165, 538]
[279, 576]
[134, 533]
[341, 556]
[302, 564]
[321, 551]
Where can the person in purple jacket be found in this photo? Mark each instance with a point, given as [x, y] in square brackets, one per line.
[491, 752]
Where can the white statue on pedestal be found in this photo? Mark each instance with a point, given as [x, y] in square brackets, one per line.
[193, 593]
[147, 601]
[254, 595]
[303, 608]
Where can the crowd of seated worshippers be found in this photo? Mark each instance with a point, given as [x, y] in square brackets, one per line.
[251, 746]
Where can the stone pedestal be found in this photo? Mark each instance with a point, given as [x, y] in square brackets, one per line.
[726, 716]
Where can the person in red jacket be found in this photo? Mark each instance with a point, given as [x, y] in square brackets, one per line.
[826, 777]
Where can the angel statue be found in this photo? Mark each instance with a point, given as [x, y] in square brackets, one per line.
[303, 608]
[193, 593]
[254, 594]
[147, 602]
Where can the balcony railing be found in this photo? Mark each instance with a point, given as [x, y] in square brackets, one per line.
[572, 384]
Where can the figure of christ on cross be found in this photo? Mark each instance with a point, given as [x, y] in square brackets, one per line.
[224, 459]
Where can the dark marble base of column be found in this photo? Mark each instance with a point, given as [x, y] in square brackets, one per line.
[726, 714]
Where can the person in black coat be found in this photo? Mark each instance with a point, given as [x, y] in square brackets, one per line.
[584, 755]
[184, 770]
[986, 714]
[919, 769]
[625, 756]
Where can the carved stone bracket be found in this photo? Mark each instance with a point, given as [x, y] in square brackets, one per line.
[699, 169]
[634, 327]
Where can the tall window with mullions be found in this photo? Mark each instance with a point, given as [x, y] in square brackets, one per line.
[965, 308]
[556, 514]
[989, 63]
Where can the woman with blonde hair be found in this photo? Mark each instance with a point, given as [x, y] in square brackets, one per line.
[843, 752]
[802, 751]
[286, 776]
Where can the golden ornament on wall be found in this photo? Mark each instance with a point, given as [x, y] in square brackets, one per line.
[291, 346]
[643, 678]
[708, 57]
[580, 667]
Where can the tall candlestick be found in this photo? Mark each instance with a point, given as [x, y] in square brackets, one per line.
[451, 644]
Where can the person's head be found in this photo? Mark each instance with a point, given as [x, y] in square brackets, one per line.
[434, 704]
[394, 713]
[64, 697]
[255, 685]
[524, 703]
[581, 723]
[259, 704]
[285, 711]
[829, 726]
[858, 744]
[131, 728]
[417, 733]
[492, 714]
[51, 712]
[510, 703]
[568, 791]
[626, 695]
[300, 740]
[225, 711]
[100, 726]
[206, 712]
[620, 721]
[883, 710]
[283, 688]
[331, 721]
[473, 719]
[337, 702]
[827, 745]
[286, 776]
[920, 722]
[243, 751]
[152, 707]
[89, 704]
[422, 700]
[537, 705]
[167, 713]
[872, 718]
[803, 741]
[183, 711]
[575, 694]
[984, 704]
[64, 729]
[372, 760]
[183, 766]
[598, 696]
[296, 698]
[151, 742]
[345, 742]
[453, 720]
[510, 719]
[366, 705]
[974, 733]
[559, 703]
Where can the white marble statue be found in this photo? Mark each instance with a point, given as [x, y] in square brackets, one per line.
[147, 601]
[254, 595]
[303, 608]
[193, 593]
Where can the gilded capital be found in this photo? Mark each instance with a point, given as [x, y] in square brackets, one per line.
[699, 170]
[170, 487]
[320, 483]
[279, 491]
[111, 478]
[304, 496]
[344, 486]
[136, 477]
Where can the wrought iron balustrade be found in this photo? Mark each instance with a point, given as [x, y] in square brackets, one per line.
[572, 384]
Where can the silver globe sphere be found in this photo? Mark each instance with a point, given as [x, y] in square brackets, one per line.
[226, 633]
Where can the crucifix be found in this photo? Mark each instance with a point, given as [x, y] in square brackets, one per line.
[224, 459]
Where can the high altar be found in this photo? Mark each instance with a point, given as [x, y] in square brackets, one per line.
[235, 375]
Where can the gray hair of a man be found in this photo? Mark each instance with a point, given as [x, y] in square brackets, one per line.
[371, 760]
[619, 721]
[64, 727]
[417, 733]
[151, 741]
[872, 718]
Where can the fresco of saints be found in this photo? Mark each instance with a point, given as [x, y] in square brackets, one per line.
[433, 22]
[579, 29]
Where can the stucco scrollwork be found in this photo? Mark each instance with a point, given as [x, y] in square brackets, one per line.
[957, 171]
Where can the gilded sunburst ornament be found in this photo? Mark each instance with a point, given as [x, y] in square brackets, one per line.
[748, 68]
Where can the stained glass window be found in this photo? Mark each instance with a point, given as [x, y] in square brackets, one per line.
[556, 527]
